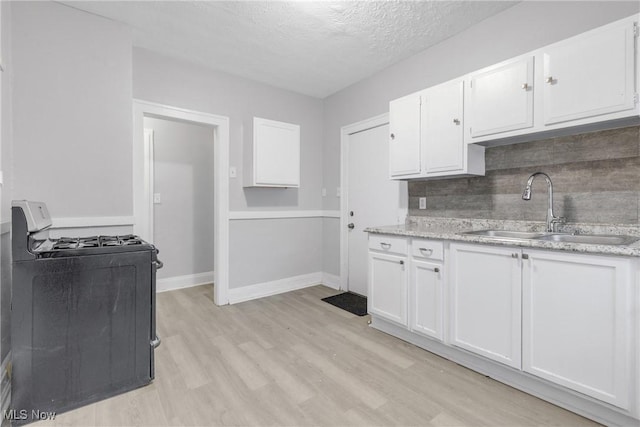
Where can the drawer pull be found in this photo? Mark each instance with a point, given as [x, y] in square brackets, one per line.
[385, 245]
[436, 270]
[426, 252]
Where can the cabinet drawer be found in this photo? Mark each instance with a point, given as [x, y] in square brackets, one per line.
[381, 242]
[432, 249]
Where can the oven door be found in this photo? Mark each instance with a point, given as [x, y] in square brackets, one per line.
[80, 329]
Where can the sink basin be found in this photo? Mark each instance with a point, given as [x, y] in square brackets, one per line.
[594, 239]
[508, 235]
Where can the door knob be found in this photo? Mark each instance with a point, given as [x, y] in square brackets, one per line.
[351, 226]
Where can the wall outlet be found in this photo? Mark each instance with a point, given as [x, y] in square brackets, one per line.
[338, 192]
[232, 172]
[423, 203]
[324, 192]
[157, 199]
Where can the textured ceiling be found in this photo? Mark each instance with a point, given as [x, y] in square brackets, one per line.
[311, 47]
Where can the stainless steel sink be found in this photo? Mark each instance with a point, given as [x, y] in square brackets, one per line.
[593, 239]
[508, 235]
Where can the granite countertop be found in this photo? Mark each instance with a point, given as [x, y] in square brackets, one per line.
[453, 229]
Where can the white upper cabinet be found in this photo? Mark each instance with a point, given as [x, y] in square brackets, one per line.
[274, 158]
[500, 98]
[404, 137]
[443, 127]
[590, 75]
[427, 135]
[584, 83]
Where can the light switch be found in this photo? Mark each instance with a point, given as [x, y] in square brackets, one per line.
[232, 172]
[157, 199]
[324, 192]
[423, 203]
[338, 192]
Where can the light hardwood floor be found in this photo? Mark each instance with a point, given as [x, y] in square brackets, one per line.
[293, 360]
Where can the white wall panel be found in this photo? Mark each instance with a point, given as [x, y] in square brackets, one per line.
[72, 111]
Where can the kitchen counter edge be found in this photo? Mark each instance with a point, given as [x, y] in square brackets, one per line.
[632, 250]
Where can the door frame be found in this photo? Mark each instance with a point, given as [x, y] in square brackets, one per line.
[141, 207]
[149, 181]
[345, 133]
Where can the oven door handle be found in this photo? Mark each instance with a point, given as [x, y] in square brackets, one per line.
[159, 264]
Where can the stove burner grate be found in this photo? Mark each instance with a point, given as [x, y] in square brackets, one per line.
[64, 243]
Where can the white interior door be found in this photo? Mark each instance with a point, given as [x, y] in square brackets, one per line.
[372, 198]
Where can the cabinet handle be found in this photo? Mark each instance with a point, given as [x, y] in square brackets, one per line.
[514, 255]
[401, 262]
[385, 245]
[436, 270]
[456, 121]
[549, 79]
[525, 86]
[393, 136]
[525, 256]
[425, 251]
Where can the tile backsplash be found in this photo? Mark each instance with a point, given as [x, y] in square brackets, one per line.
[596, 179]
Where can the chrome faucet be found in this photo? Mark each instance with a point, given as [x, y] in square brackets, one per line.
[552, 220]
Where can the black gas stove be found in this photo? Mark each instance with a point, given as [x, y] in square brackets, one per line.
[83, 315]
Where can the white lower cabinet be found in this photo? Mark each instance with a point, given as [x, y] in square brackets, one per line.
[569, 319]
[485, 293]
[426, 302]
[577, 314]
[387, 281]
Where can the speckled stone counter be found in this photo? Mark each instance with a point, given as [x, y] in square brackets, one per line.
[453, 229]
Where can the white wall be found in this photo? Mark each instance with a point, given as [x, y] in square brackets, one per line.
[183, 220]
[72, 110]
[278, 249]
[519, 29]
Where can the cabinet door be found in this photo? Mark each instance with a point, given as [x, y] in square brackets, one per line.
[443, 127]
[485, 301]
[388, 287]
[501, 98]
[276, 153]
[589, 75]
[426, 298]
[404, 136]
[576, 323]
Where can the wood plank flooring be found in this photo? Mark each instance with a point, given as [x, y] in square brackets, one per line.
[293, 360]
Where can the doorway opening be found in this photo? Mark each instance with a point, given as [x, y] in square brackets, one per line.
[217, 128]
[181, 189]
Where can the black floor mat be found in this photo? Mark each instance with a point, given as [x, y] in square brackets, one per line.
[353, 303]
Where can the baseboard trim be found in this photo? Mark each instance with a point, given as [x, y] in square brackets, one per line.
[265, 289]
[331, 280]
[5, 384]
[187, 281]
